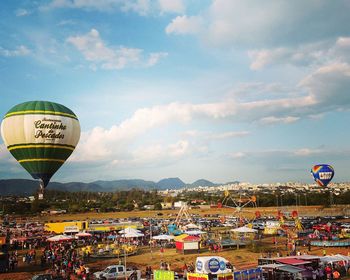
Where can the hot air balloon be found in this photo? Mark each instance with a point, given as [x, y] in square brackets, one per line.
[40, 135]
[323, 174]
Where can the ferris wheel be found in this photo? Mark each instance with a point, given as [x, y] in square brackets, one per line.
[244, 206]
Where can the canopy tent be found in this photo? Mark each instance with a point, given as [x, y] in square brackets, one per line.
[60, 238]
[132, 235]
[345, 258]
[163, 237]
[129, 230]
[282, 267]
[194, 232]
[191, 225]
[291, 269]
[292, 261]
[187, 243]
[244, 229]
[180, 237]
[335, 258]
[83, 234]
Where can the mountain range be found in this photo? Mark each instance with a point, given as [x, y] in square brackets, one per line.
[30, 187]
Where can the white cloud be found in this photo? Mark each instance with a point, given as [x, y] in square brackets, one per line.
[156, 154]
[184, 25]
[205, 135]
[274, 120]
[19, 51]
[66, 22]
[343, 42]
[301, 57]
[306, 152]
[3, 151]
[324, 90]
[329, 85]
[288, 22]
[172, 6]
[155, 57]
[230, 134]
[22, 13]
[141, 7]
[101, 5]
[304, 55]
[102, 143]
[238, 155]
[110, 58]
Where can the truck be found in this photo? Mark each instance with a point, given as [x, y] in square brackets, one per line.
[117, 272]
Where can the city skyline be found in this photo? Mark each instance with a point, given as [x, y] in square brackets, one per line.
[171, 88]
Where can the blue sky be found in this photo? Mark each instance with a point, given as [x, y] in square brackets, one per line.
[222, 90]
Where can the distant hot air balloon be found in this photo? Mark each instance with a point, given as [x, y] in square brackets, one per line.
[323, 174]
[40, 135]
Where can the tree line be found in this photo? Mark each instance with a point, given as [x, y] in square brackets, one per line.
[78, 202]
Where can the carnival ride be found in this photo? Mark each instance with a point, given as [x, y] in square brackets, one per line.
[183, 214]
[240, 202]
[291, 229]
[109, 250]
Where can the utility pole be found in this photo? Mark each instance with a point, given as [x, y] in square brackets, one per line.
[150, 235]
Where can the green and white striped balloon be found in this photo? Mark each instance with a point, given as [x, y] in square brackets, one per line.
[40, 135]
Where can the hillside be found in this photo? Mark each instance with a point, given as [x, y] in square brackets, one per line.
[29, 187]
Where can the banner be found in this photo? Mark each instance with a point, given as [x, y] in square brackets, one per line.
[163, 275]
[197, 276]
[250, 274]
[225, 276]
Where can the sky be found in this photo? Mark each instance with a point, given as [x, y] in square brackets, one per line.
[254, 91]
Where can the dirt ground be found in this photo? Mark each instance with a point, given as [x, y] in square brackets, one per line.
[248, 212]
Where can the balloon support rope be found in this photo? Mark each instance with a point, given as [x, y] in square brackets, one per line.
[41, 190]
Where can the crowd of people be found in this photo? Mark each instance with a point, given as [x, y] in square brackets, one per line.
[63, 260]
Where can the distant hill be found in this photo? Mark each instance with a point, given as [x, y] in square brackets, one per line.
[203, 183]
[30, 187]
[125, 184]
[171, 183]
[18, 187]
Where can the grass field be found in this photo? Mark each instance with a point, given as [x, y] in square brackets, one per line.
[246, 212]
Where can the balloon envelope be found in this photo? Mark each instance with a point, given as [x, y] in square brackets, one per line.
[40, 135]
[323, 174]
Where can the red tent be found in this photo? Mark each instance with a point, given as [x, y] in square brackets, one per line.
[187, 244]
[292, 261]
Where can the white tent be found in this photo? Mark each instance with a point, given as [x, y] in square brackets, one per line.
[163, 237]
[343, 257]
[244, 229]
[58, 238]
[132, 234]
[129, 230]
[191, 226]
[333, 258]
[194, 232]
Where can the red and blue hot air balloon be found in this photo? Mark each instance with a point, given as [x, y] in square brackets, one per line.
[323, 174]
